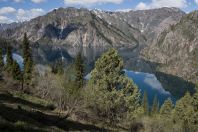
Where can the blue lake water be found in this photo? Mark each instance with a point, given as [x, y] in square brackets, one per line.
[145, 82]
[17, 58]
[148, 83]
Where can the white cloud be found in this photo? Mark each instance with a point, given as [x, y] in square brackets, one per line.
[88, 2]
[38, 1]
[141, 6]
[196, 1]
[162, 3]
[4, 19]
[7, 10]
[24, 15]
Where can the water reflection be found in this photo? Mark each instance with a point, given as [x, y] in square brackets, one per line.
[144, 78]
[149, 83]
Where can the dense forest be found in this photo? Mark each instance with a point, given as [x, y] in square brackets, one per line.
[61, 99]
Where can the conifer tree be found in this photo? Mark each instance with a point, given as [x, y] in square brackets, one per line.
[166, 108]
[16, 71]
[145, 103]
[79, 67]
[195, 101]
[184, 110]
[27, 58]
[112, 94]
[27, 71]
[1, 60]
[9, 59]
[155, 106]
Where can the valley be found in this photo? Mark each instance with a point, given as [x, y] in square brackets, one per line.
[100, 70]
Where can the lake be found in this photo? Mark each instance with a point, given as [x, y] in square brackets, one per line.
[141, 71]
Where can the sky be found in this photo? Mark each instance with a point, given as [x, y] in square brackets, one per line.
[23, 10]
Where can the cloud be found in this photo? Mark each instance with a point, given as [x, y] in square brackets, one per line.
[162, 3]
[141, 6]
[24, 15]
[38, 1]
[90, 2]
[4, 19]
[196, 1]
[7, 10]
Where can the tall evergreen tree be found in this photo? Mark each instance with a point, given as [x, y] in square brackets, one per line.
[9, 59]
[28, 62]
[145, 103]
[27, 71]
[184, 110]
[155, 106]
[26, 48]
[195, 101]
[1, 60]
[112, 93]
[166, 108]
[79, 67]
[16, 71]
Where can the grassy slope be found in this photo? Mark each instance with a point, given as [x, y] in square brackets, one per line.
[22, 112]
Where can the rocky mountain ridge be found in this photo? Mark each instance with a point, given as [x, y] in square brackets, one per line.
[176, 48]
[83, 27]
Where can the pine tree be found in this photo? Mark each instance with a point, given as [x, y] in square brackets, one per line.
[195, 101]
[79, 67]
[26, 48]
[1, 60]
[16, 72]
[9, 59]
[184, 110]
[155, 106]
[145, 103]
[112, 94]
[166, 108]
[28, 62]
[28, 71]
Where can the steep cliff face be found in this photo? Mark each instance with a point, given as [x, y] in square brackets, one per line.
[177, 48]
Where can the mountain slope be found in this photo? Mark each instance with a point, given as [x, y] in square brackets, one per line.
[74, 27]
[83, 27]
[177, 48]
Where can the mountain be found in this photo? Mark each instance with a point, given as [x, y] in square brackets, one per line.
[166, 36]
[83, 27]
[75, 27]
[176, 48]
[4, 26]
[148, 22]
